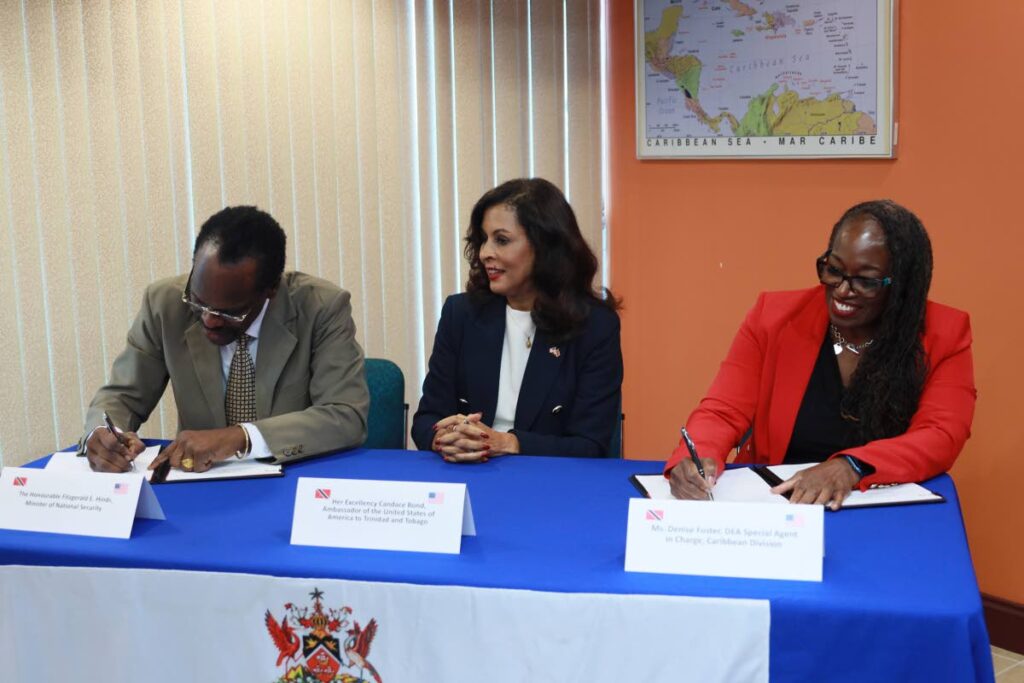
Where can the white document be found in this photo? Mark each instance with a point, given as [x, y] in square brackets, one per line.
[64, 503]
[733, 486]
[898, 494]
[382, 515]
[232, 468]
[743, 485]
[742, 540]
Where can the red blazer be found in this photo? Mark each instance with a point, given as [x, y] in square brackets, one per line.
[763, 379]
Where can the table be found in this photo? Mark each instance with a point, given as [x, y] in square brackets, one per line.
[899, 600]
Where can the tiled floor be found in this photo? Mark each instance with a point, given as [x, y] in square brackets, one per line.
[1009, 666]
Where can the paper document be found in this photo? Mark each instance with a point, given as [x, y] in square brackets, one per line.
[226, 469]
[745, 485]
[733, 486]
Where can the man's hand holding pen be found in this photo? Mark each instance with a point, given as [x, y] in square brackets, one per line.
[108, 453]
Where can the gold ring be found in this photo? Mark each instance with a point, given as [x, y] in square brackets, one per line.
[187, 463]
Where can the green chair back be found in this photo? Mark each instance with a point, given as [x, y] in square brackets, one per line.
[389, 413]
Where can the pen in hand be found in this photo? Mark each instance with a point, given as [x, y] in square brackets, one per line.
[693, 456]
[117, 435]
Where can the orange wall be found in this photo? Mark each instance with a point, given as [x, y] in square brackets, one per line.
[692, 242]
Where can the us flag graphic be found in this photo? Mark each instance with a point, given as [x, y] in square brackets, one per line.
[435, 497]
[120, 489]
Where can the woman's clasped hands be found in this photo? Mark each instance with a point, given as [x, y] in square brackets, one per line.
[465, 438]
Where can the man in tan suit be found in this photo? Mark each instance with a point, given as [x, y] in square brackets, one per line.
[261, 363]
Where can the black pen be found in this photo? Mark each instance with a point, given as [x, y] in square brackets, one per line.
[693, 456]
[117, 435]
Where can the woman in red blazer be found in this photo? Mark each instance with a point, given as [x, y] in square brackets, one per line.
[861, 374]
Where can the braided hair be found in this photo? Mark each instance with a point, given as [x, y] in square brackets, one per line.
[886, 387]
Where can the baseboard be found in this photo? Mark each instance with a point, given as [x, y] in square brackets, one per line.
[1005, 620]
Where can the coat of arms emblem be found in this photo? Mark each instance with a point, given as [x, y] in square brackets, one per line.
[310, 646]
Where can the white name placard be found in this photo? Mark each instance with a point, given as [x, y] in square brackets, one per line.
[382, 515]
[91, 504]
[744, 540]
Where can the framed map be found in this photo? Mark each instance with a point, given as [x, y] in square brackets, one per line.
[765, 79]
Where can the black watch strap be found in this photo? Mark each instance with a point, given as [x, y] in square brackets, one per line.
[862, 468]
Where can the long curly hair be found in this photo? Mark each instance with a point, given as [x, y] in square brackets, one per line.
[563, 265]
[886, 387]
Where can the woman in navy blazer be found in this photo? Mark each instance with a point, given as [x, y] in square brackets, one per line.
[527, 360]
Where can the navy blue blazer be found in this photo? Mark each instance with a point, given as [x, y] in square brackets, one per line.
[570, 395]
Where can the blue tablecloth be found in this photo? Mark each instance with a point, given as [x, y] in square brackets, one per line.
[899, 600]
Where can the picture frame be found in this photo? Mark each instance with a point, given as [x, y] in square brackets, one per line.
[766, 79]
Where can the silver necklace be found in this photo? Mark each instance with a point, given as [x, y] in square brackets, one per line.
[839, 344]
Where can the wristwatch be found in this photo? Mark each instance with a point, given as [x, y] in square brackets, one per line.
[862, 468]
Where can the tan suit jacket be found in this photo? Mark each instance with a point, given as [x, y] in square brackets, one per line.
[311, 394]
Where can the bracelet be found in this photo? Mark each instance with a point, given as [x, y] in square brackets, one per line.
[248, 444]
[84, 447]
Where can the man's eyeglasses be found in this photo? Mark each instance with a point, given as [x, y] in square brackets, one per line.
[200, 309]
[830, 276]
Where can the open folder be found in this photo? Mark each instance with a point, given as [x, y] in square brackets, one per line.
[231, 468]
[753, 485]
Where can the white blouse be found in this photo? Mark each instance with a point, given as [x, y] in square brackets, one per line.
[520, 331]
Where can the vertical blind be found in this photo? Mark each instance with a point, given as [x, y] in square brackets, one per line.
[367, 128]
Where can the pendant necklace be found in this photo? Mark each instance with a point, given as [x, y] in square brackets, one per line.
[529, 337]
[839, 344]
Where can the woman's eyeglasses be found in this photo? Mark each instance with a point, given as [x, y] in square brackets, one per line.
[868, 287]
